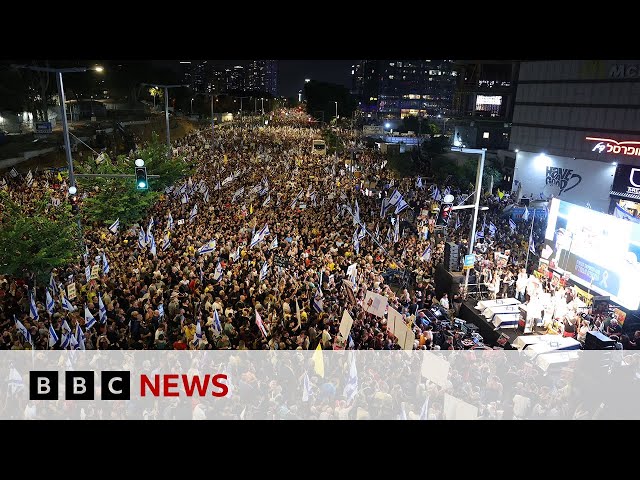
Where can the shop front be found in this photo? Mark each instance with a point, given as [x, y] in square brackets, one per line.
[625, 193]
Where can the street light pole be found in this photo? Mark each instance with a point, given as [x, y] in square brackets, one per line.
[262, 100]
[166, 109]
[65, 129]
[479, 173]
[336, 112]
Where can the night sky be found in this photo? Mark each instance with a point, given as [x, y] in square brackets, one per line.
[293, 72]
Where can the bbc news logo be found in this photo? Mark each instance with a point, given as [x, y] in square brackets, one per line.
[80, 385]
[116, 385]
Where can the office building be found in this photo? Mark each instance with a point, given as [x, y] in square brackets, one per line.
[262, 75]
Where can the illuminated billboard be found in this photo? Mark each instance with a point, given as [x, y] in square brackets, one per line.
[596, 250]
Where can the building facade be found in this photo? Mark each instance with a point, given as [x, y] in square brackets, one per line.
[394, 89]
[262, 75]
[576, 131]
[483, 103]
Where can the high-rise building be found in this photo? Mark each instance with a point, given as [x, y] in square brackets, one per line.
[262, 75]
[236, 78]
[196, 75]
[483, 103]
[401, 88]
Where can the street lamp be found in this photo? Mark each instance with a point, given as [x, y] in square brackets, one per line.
[191, 105]
[262, 100]
[476, 205]
[336, 112]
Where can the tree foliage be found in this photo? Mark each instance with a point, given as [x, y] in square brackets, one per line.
[39, 241]
[118, 197]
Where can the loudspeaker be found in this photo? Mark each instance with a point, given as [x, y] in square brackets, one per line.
[598, 341]
[451, 256]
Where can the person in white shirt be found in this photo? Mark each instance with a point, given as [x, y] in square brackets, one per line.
[521, 285]
[444, 301]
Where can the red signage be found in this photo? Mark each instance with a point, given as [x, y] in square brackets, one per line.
[607, 145]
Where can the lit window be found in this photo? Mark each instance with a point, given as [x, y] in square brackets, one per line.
[392, 64]
[390, 77]
[485, 135]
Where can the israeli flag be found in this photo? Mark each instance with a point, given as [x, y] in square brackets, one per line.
[383, 207]
[512, 225]
[377, 230]
[479, 234]
[87, 273]
[105, 264]
[170, 222]
[23, 330]
[198, 337]
[435, 193]
[426, 255]
[53, 336]
[161, 310]
[66, 335]
[236, 255]
[29, 179]
[78, 340]
[89, 320]
[114, 226]
[194, 212]
[207, 247]
[206, 196]
[102, 311]
[274, 243]
[185, 198]
[142, 239]
[362, 233]
[492, 229]
[66, 304]
[532, 247]
[33, 309]
[266, 201]
[447, 191]
[525, 216]
[316, 303]
[217, 187]
[400, 206]
[351, 387]
[217, 326]
[166, 243]
[395, 197]
[50, 303]
[217, 273]
[419, 183]
[52, 285]
[154, 247]
[263, 271]
[356, 215]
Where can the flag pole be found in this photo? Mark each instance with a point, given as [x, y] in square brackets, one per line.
[526, 262]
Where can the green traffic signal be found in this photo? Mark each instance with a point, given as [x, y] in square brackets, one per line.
[141, 178]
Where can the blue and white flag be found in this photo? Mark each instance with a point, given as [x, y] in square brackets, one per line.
[356, 213]
[79, 338]
[194, 212]
[377, 231]
[259, 236]
[205, 197]
[351, 387]
[217, 326]
[105, 263]
[525, 215]
[29, 179]
[393, 199]
[89, 320]
[396, 231]
[419, 183]
[426, 255]
[23, 330]
[435, 193]
[170, 222]
[316, 303]
[33, 309]
[267, 201]
[52, 285]
[263, 271]
[532, 247]
[142, 239]
[207, 247]
[235, 255]
[512, 225]
[161, 310]
[66, 304]
[102, 311]
[383, 207]
[66, 335]
[274, 243]
[479, 234]
[114, 226]
[149, 227]
[457, 222]
[166, 243]
[400, 206]
[362, 232]
[492, 229]
[87, 273]
[217, 274]
[447, 191]
[53, 336]
[198, 337]
[154, 247]
[50, 303]
[185, 198]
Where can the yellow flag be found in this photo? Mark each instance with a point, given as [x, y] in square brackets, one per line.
[251, 209]
[318, 362]
[500, 194]
[225, 158]
[59, 177]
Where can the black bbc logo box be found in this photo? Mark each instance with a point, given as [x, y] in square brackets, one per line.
[80, 385]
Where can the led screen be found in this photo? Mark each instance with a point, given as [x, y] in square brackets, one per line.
[598, 251]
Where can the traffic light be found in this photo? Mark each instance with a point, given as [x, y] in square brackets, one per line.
[141, 178]
[74, 204]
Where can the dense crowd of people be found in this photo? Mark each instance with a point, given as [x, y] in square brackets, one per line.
[250, 252]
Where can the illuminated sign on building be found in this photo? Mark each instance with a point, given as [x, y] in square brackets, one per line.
[607, 145]
[623, 70]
